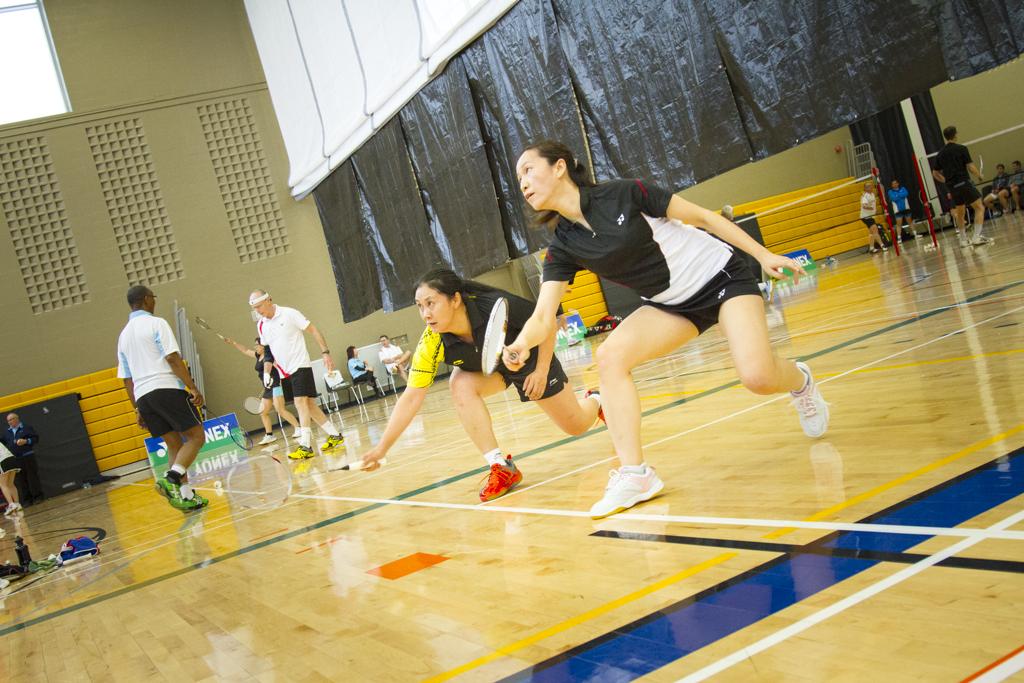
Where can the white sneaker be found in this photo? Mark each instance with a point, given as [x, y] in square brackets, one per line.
[980, 239]
[626, 490]
[812, 407]
[964, 242]
[296, 433]
[268, 438]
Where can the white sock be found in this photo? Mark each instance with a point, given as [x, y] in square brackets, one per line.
[597, 397]
[977, 230]
[186, 492]
[634, 469]
[495, 458]
[808, 381]
[305, 435]
[329, 428]
[178, 468]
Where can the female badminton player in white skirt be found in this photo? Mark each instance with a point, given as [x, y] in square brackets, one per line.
[645, 238]
[9, 468]
[456, 312]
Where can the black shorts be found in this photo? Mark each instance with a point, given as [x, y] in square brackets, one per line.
[168, 410]
[9, 464]
[702, 308]
[868, 221]
[964, 193]
[556, 380]
[302, 382]
[903, 214]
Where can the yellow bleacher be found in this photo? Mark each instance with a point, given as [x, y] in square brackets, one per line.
[824, 225]
[587, 297]
[109, 416]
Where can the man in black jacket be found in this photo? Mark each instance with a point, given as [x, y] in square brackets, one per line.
[21, 440]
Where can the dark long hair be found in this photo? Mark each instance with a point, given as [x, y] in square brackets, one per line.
[579, 174]
[351, 351]
[449, 283]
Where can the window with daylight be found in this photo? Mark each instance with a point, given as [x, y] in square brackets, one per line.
[31, 85]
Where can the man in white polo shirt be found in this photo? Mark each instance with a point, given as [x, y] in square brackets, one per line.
[158, 385]
[393, 358]
[281, 329]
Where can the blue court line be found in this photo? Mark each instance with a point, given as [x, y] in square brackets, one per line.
[10, 626]
[637, 649]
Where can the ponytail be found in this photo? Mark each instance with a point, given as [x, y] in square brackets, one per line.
[580, 176]
[448, 282]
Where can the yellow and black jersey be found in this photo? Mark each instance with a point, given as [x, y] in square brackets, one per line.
[434, 347]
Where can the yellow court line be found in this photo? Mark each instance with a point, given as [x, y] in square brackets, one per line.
[902, 480]
[586, 616]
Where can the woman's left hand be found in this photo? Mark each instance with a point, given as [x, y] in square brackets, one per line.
[773, 265]
[535, 383]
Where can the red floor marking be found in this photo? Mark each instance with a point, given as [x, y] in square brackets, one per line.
[407, 565]
[270, 534]
[993, 665]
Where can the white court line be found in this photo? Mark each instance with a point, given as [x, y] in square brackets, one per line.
[842, 605]
[1003, 671]
[978, 534]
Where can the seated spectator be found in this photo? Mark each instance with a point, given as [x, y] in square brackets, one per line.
[393, 358]
[1015, 182]
[361, 372]
[1000, 192]
[901, 210]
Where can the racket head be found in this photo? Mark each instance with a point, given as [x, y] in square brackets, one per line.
[252, 405]
[202, 323]
[241, 438]
[259, 483]
[494, 336]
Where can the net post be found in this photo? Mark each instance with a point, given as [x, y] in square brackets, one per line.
[885, 209]
[924, 202]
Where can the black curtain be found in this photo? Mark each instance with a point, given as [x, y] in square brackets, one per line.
[400, 238]
[653, 90]
[453, 174]
[978, 35]
[521, 88]
[340, 205]
[801, 69]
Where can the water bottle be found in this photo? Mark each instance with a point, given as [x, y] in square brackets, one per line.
[22, 550]
[86, 485]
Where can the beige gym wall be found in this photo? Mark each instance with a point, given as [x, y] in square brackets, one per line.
[983, 105]
[157, 63]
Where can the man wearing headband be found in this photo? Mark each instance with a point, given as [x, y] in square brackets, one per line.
[281, 329]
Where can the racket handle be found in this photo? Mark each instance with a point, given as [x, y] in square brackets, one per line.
[513, 356]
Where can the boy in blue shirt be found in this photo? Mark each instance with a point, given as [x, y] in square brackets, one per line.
[901, 209]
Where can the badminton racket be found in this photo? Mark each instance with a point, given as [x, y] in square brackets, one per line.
[252, 405]
[259, 483]
[358, 465]
[206, 326]
[241, 438]
[494, 337]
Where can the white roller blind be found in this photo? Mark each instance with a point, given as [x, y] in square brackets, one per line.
[339, 69]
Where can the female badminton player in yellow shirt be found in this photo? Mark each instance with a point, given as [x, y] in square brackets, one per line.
[456, 312]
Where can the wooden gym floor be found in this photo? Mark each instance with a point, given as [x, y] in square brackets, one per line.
[890, 549]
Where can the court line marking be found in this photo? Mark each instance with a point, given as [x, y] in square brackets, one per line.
[1001, 669]
[901, 480]
[692, 519]
[577, 620]
[351, 480]
[748, 652]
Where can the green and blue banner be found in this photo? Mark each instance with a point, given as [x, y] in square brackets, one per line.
[218, 453]
[575, 334]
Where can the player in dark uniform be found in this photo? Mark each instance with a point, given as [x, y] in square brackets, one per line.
[273, 391]
[456, 312]
[688, 280]
[955, 167]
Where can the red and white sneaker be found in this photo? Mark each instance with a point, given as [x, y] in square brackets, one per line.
[625, 490]
[501, 479]
[600, 410]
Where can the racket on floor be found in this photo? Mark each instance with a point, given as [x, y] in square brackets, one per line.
[259, 483]
[203, 324]
[241, 438]
[494, 337]
[252, 405]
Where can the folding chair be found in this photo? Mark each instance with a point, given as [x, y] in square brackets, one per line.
[336, 382]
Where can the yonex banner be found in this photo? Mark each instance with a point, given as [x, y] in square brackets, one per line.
[575, 334]
[803, 257]
[219, 452]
